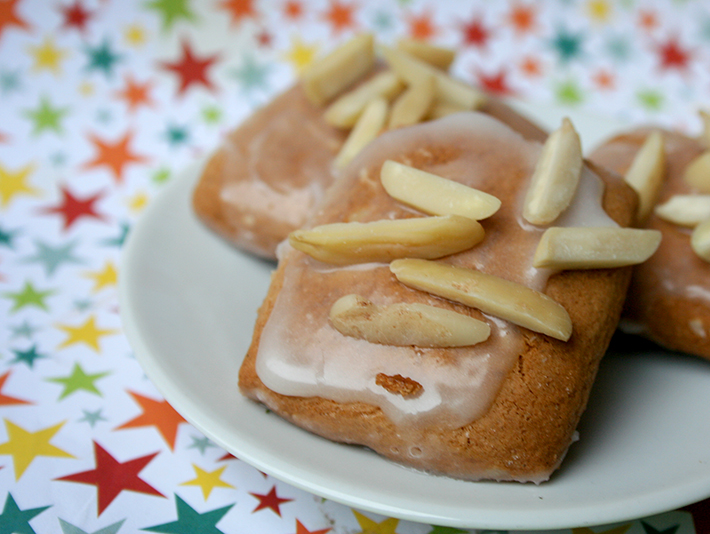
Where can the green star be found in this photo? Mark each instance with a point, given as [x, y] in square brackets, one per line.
[176, 135]
[650, 99]
[120, 239]
[200, 444]
[161, 175]
[567, 45]
[92, 417]
[190, 521]
[68, 528]
[212, 115]
[569, 93]
[46, 117]
[446, 530]
[101, 58]
[24, 330]
[14, 520]
[251, 75]
[51, 258]
[6, 237]
[27, 356]
[29, 296]
[78, 379]
[172, 11]
[9, 82]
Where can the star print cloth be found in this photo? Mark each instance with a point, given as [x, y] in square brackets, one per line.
[103, 102]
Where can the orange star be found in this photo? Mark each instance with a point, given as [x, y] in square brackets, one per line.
[522, 18]
[136, 94]
[8, 17]
[6, 400]
[293, 10]
[531, 67]
[421, 27]
[604, 79]
[340, 16]
[115, 156]
[158, 414]
[239, 9]
[300, 529]
[648, 20]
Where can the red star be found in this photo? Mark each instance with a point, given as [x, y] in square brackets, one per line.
[495, 83]
[239, 9]
[270, 500]
[114, 156]
[6, 400]
[227, 456]
[158, 414]
[75, 16]
[421, 27]
[8, 16]
[135, 94]
[300, 529]
[522, 18]
[112, 477]
[475, 33]
[191, 69]
[293, 9]
[264, 38]
[673, 56]
[72, 208]
[4, 138]
[340, 16]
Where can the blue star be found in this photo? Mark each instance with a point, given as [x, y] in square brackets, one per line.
[51, 258]
[27, 356]
[252, 75]
[102, 58]
[92, 417]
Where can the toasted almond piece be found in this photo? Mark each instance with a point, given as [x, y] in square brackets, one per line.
[646, 173]
[442, 109]
[435, 195]
[697, 173]
[368, 126]
[685, 210]
[700, 240]
[594, 248]
[490, 294]
[405, 324]
[385, 240]
[556, 176]
[436, 56]
[328, 76]
[412, 105]
[344, 112]
[413, 70]
[705, 135]
[399, 385]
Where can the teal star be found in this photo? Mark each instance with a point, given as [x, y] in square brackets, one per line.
[25, 330]
[29, 296]
[51, 258]
[200, 444]
[176, 135]
[9, 82]
[78, 379]
[648, 529]
[383, 21]
[567, 45]
[68, 528]
[650, 99]
[705, 28]
[190, 521]
[101, 58]
[16, 521]
[172, 11]
[92, 417]
[27, 356]
[82, 304]
[569, 93]
[58, 159]
[251, 75]
[7, 236]
[619, 48]
[46, 117]
[104, 116]
[120, 239]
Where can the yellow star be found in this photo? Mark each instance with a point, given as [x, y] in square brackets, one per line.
[368, 526]
[135, 35]
[86, 333]
[47, 56]
[599, 10]
[138, 201]
[15, 183]
[86, 88]
[103, 278]
[208, 480]
[300, 55]
[25, 446]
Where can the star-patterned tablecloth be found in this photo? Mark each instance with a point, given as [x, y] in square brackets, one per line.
[103, 102]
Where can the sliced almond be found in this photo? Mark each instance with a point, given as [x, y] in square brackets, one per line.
[412, 105]
[385, 240]
[556, 176]
[697, 173]
[490, 294]
[700, 240]
[705, 135]
[594, 248]
[344, 112]
[436, 56]
[646, 173]
[685, 210]
[414, 70]
[435, 195]
[368, 126]
[328, 76]
[443, 109]
[405, 324]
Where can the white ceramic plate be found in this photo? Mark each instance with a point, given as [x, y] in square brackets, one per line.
[189, 301]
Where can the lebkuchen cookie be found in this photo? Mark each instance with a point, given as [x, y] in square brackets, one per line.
[669, 297]
[268, 174]
[449, 301]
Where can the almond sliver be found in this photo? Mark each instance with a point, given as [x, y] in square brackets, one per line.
[700, 240]
[412, 105]
[646, 173]
[436, 56]
[344, 112]
[697, 173]
[685, 210]
[368, 127]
